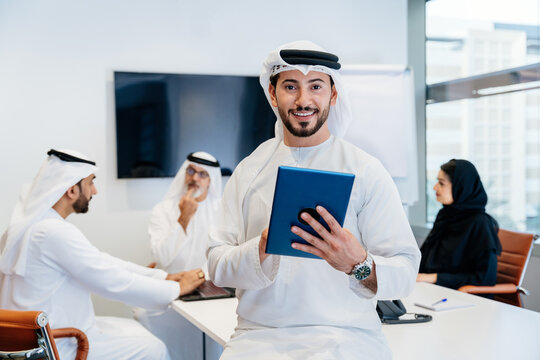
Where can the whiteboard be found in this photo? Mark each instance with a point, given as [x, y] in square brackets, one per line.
[382, 105]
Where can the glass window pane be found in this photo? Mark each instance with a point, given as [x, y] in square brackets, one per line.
[470, 37]
[500, 134]
[508, 159]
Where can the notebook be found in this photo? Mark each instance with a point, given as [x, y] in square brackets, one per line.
[439, 305]
[207, 291]
[298, 190]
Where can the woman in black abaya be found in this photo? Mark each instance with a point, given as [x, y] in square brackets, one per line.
[463, 245]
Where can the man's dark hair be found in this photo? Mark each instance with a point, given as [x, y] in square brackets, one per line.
[274, 79]
[449, 168]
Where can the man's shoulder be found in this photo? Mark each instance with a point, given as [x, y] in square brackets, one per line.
[51, 224]
[56, 228]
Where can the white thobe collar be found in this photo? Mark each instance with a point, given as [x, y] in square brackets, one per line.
[300, 154]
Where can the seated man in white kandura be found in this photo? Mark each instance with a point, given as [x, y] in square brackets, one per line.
[179, 238]
[47, 264]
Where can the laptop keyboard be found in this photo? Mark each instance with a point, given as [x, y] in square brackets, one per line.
[208, 289]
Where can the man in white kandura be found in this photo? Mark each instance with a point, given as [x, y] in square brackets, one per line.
[47, 264]
[179, 238]
[299, 308]
[179, 223]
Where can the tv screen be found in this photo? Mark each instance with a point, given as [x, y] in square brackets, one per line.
[161, 118]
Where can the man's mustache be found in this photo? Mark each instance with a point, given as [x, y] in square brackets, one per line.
[306, 108]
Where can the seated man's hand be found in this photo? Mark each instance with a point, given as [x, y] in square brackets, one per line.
[188, 207]
[338, 246]
[189, 280]
[429, 278]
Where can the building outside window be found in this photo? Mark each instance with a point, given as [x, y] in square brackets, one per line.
[483, 101]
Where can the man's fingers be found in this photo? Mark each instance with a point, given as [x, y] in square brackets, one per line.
[196, 282]
[308, 248]
[313, 240]
[262, 245]
[190, 192]
[196, 273]
[330, 220]
[317, 226]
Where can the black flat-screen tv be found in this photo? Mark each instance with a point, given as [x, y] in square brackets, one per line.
[161, 118]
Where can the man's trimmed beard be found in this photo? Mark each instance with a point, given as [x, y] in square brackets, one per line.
[81, 204]
[303, 131]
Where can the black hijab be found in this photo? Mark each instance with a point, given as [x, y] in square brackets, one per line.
[463, 229]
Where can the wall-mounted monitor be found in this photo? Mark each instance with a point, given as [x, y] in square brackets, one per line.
[161, 118]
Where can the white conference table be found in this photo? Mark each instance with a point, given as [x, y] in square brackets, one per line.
[486, 330]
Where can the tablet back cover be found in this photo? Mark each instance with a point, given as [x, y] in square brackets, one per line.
[298, 189]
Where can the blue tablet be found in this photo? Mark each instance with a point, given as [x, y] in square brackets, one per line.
[298, 190]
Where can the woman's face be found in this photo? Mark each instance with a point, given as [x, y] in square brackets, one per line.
[443, 189]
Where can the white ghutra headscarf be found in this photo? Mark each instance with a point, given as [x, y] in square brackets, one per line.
[178, 187]
[340, 114]
[54, 178]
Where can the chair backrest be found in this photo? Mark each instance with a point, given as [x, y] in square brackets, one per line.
[26, 331]
[516, 250]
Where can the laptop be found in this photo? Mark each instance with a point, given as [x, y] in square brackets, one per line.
[208, 291]
[298, 190]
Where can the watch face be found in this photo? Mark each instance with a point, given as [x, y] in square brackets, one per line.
[362, 272]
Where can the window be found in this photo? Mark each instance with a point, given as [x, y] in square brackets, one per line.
[483, 101]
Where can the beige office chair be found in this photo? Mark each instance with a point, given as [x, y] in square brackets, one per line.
[512, 262]
[27, 335]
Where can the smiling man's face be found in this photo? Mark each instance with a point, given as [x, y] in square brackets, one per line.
[303, 101]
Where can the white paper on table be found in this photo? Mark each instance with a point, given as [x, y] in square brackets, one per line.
[437, 305]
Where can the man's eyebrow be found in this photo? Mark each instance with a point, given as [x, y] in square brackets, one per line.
[309, 81]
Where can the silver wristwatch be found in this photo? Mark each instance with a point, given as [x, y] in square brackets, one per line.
[362, 270]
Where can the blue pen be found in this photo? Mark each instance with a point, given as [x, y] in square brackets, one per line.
[438, 302]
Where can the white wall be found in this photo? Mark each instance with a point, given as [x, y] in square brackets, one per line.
[57, 59]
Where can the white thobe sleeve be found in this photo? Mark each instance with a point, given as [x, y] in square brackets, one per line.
[388, 237]
[239, 265]
[231, 262]
[166, 239]
[98, 272]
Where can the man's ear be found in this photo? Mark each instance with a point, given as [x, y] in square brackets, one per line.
[73, 192]
[333, 96]
[272, 92]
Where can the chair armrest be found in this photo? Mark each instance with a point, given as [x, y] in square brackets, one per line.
[496, 289]
[82, 340]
